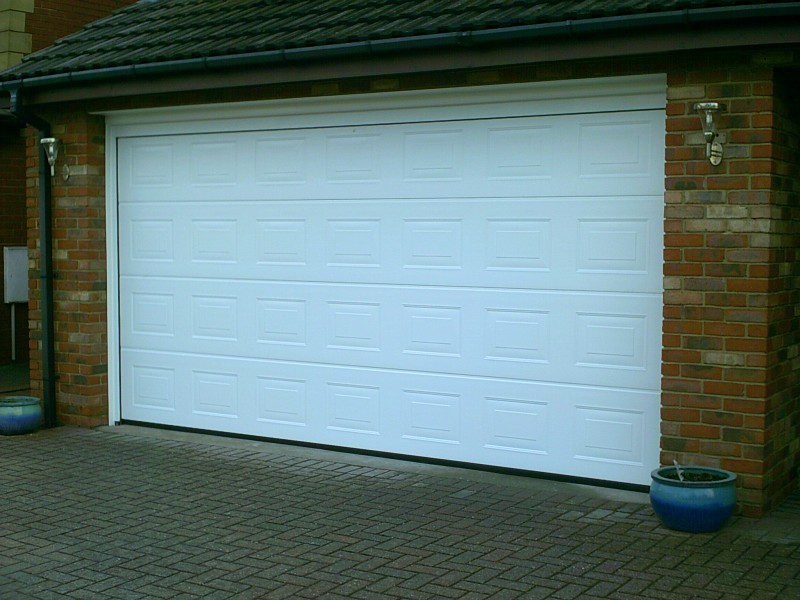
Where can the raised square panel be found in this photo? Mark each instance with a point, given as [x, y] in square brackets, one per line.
[515, 424]
[152, 165]
[432, 330]
[435, 155]
[520, 153]
[355, 243]
[152, 313]
[612, 341]
[282, 242]
[282, 321]
[518, 244]
[281, 401]
[151, 240]
[517, 335]
[215, 394]
[614, 149]
[432, 244]
[214, 317]
[609, 435]
[354, 325]
[213, 163]
[214, 241]
[281, 160]
[353, 408]
[432, 416]
[352, 158]
[153, 387]
[609, 246]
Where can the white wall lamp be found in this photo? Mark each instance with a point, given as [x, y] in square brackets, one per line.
[51, 145]
[708, 111]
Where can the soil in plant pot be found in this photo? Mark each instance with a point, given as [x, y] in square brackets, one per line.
[694, 476]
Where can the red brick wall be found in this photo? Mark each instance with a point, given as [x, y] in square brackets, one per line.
[54, 19]
[13, 232]
[79, 262]
[782, 420]
[730, 358]
[729, 305]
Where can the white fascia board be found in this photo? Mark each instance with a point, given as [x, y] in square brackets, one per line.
[640, 92]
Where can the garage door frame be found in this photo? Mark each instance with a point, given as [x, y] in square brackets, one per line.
[646, 92]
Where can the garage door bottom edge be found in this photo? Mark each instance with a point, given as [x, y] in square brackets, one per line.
[617, 485]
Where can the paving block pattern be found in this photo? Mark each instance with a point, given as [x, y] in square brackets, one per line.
[98, 514]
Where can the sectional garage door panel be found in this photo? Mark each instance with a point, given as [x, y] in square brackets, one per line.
[558, 337]
[481, 290]
[589, 243]
[570, 155]
[580, 430]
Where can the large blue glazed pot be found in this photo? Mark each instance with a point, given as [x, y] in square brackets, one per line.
[695, 506]
[19, 414]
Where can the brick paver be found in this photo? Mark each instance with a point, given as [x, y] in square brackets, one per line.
[100, 514]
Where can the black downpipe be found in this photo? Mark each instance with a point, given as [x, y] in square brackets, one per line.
[45, 260]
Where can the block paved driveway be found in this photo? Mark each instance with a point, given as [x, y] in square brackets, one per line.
[130, 513]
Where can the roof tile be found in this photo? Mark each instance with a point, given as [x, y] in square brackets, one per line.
[153, 31]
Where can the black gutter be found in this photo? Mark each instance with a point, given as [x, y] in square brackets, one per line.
[687, 17]
[45, 260]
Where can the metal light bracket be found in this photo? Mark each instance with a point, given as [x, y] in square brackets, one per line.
[51, 149]
[708, 112]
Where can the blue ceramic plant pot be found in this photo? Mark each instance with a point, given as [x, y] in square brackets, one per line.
[693, 505]
[19, 414]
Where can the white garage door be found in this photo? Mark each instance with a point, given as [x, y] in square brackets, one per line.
[480, 286]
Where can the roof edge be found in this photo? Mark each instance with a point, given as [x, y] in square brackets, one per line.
[566, 28]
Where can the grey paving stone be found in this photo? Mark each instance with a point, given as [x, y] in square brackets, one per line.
[100, 514]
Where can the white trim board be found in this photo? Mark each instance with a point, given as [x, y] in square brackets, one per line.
[641, 92]
[112, 278]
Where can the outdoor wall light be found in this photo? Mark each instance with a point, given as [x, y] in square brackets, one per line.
[51, 149]
[708, 111]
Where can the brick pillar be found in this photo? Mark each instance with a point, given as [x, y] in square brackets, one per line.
[15, 41]
[782, 419]
[80, 266]
[726, 298]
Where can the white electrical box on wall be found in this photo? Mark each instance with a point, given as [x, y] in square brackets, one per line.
[15, 274]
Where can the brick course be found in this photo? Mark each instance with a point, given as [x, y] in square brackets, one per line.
[730, 334]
